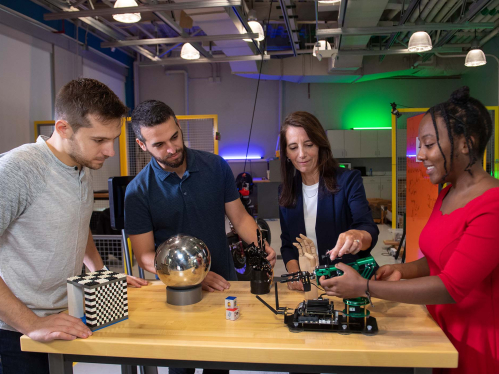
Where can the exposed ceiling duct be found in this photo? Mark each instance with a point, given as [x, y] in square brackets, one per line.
[359, 31]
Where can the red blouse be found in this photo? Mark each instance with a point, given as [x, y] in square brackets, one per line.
[462, 248]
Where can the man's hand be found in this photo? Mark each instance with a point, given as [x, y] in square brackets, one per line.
[57, 326]
[136, 282]
[271, 254]
[388, 273]
[214, 282]
[348, 242]
[347, 286]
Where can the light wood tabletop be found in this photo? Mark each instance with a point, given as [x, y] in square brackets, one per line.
[407, 337]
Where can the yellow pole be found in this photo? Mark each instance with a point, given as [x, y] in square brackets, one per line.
[123, 150]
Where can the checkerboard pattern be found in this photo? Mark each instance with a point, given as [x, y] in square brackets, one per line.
[105, 297]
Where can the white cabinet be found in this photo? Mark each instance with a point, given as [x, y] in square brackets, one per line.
[385, 188]
[352, 144]
[337, 141]
[368, 143]
[375, 143]
[378, 187]
[385, 143]
[344, 143]
[371, 185]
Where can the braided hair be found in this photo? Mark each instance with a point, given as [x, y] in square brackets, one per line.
[466, 116]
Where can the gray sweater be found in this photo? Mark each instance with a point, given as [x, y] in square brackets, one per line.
[45, 210]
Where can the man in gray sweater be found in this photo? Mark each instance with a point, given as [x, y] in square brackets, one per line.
[46, 201]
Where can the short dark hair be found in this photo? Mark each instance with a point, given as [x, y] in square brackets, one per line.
[150, 113]
[326, 163]
[463, 116]
[84, 96]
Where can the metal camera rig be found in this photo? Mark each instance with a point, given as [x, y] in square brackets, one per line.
[319, 314]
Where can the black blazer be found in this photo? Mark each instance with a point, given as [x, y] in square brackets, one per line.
[345, 210]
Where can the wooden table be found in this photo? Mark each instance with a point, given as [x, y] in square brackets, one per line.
[198, 335]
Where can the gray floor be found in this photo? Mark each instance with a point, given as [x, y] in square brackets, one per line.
[380, 253]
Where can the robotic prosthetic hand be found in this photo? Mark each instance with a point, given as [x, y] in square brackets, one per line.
[308, 260]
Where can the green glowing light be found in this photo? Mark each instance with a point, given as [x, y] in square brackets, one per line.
[372, 128]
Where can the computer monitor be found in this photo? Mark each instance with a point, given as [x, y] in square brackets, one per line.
[117, 187]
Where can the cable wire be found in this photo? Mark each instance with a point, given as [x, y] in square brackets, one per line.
[258, 84]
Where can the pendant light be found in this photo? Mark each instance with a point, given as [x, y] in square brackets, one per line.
[188, 52]
[475, 56]
[127, 17]
[420, 41]
[255, 26]
[321, 45]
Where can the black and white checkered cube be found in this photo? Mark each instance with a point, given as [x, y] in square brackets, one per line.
[99, 298]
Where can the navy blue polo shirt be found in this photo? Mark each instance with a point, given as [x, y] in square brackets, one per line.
[160, 201]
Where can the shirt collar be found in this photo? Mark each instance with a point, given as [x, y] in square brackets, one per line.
[192, 165]
[42, 141]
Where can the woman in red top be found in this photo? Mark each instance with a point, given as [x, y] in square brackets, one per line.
[458, 278]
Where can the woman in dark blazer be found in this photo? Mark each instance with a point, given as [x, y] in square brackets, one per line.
[319, 199]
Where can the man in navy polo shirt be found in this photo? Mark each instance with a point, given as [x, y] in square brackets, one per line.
[185, 191]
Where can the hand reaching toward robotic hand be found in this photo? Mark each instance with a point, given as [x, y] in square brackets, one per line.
[308, 259]
[350, 241]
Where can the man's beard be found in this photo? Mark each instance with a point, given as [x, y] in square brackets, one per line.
[172, 165]
[76, 154]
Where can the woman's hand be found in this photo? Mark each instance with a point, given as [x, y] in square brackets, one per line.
[388, 273]
[295, 286]
[347, 286]
[348, 242]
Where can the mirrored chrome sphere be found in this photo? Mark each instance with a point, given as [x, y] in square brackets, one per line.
[182, 261]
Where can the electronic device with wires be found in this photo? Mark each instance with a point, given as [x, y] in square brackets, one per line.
[319, 314]
[263, 274]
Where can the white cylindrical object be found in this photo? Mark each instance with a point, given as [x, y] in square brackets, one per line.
[420, 42]
[126, 17]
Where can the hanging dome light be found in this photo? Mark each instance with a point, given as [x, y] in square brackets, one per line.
[127, 17]
[475, 56]
[255, 26]
[188, 52]
[420, 42]
[321, 45]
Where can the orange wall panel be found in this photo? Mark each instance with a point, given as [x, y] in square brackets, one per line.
[421, 194]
